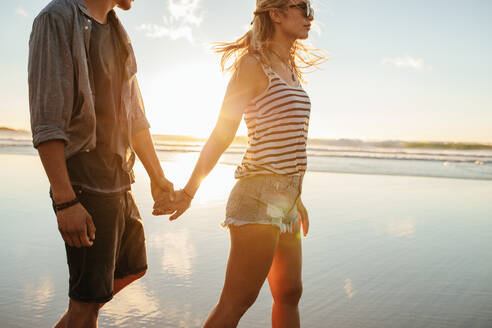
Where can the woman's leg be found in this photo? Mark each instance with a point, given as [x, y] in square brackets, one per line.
[285, 280]
[251, 255]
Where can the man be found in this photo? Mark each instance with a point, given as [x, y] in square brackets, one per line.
[88, 121]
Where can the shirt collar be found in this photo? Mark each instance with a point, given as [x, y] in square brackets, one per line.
[83, 8]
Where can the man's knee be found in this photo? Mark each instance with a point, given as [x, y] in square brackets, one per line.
[289, 295]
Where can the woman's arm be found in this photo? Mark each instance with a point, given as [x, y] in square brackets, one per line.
[247, 82]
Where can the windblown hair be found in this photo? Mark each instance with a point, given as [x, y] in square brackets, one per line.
[258, 39]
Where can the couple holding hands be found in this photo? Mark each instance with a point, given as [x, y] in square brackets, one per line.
[89, 125]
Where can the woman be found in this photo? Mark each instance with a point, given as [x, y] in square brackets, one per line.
[265, 204]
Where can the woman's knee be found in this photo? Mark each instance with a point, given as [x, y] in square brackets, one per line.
[289, 295]
[238, 303]
[247, 301]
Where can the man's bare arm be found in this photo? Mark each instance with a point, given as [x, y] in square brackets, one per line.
[162, 189]
[74, 223]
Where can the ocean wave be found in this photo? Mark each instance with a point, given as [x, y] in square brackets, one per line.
[403, 162]
[479, 157]
[13, 142]
[404, 156]
[357, 153]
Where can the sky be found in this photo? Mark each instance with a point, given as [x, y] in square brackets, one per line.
[399, 70]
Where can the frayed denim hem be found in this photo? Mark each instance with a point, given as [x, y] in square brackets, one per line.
[284, 227]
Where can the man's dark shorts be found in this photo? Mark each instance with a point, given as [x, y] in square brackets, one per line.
[118, 250]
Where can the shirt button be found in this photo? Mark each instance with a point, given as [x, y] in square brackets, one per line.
[89, 21]
[86, 27]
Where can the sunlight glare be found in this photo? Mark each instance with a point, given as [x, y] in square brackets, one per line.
[185, 99]
[214, 188]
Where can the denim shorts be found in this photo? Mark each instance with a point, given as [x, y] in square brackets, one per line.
[118, 250]
[265, 199]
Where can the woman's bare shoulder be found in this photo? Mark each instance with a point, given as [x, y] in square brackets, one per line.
[250, 74]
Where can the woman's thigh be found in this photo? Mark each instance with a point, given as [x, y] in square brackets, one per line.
[252, 251]
[285, 276]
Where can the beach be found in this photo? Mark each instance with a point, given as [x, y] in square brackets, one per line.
[386, 107]
[382, 251]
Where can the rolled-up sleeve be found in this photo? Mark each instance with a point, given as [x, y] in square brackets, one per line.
[139, 121]
[50, 78]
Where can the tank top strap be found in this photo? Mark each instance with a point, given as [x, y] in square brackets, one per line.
[269, 72]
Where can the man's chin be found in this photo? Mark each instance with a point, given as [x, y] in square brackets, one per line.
[125, 8]
[125, 5]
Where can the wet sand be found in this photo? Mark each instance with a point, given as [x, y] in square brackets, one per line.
[383, 251]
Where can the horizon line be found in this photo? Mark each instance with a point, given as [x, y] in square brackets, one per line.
[363, 139]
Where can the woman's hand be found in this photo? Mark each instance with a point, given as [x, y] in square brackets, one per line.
[180, 204]
[304, 221]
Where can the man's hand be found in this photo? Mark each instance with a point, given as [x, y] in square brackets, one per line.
[304, 222]
[76, 226]
[163, 195]
[162, 190]
[181, 203]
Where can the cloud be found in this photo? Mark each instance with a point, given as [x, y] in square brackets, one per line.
[406, 62]
[184, 16]
[159, 31]
[20, 11]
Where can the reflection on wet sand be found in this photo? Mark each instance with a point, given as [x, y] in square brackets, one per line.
[349, 288]
[133, 301]
[401, 228]
[138, 301]
[177, 250]
[38, 295]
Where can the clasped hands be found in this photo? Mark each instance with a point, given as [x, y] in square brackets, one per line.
[167, 201]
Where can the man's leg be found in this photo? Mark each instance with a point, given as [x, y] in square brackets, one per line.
[80, 314]
[89, 310]
[119, 232]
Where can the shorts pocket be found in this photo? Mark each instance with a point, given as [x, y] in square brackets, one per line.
[243, 199]
[277, 197]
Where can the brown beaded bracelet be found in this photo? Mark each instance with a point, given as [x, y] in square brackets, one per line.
[62, 206]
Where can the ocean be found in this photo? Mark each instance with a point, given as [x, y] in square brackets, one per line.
[431, 159]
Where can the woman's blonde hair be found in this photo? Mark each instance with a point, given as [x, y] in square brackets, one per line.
[258, 39]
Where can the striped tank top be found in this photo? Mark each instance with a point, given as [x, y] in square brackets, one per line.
[277, 122]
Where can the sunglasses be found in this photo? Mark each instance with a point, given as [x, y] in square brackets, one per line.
[306, 9]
